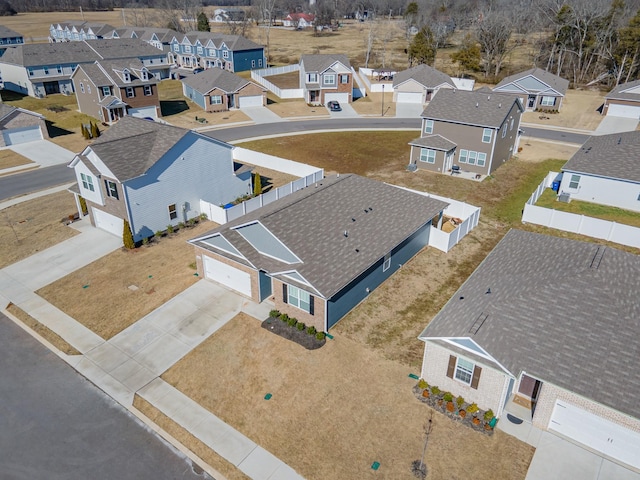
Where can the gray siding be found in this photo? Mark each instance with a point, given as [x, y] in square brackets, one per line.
[195, 96]
[194, 169]
[504, 146]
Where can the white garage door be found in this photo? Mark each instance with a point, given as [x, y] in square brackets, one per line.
[628, 111]
[15, 136]
[597, 433]
[143, 112]
[250, 101]
[108, 222]
[409, 97]
[340, 97]
[227, 275]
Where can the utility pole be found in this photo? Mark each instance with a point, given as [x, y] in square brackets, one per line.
[382, 113]
[82, 13]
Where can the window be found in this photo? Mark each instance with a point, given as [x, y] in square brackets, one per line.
[463, 155]
[112, 189]
[427, 155]
[82, 87]
[216, 99]
[187, 48]
[144, 74]
[329, 79]
[511, 127]
[59, 68]
[212, 53]
[344, 78]
[312, 78]
[471, 160]
[131, 92]
[199, 49]
[31, 72]
[225, 54]
[87, 182]
[46, 70]
[548, 101]
[176, 47]
[464, 371]
[428, 126]
[504, 130]
[106, 91]
[575, 181]
[387, 262]
[126, 76]
[260, 63]
[148, 90]
[299, 298]
[482, 159]
[253, 64]
[486, 135]
[173, 213]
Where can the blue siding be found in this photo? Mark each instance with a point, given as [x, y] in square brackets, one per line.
[194, 95]
[242, 60]
[339, 305]
[265, 285]
[195, 168]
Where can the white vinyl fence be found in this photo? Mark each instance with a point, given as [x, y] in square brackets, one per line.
[360, 90]
[365, 73]
[572, 222]
[469, 214]
[258, 76]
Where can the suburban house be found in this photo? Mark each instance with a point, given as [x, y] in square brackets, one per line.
[18, 125]
[537, 88]
[110, 90]
[543, 332]
[419, 84]
[207, 50]
[217, 90]
[623, 101]
[158, 37]
[225, 15]
[154, 175]
[299, 20]
[40, 69]
[9, 37]
[326, 77]
[318, 252]
[465, 131]
[78, 30]
[606, 170]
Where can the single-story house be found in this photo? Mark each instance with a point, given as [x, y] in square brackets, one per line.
[623, 101]
[537, 88]
[326, 77]
[320, 251]
[544, 330]
[154, 175]
[18, 125]
[606, 170]
[299, 20]
[419, 84]
[217, 90]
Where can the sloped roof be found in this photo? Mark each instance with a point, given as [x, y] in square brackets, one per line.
[96, 74]
[6, 32]
[559, 84]
[320, 62]
[234, 42]
[616, 155]
[6, 110]
[564, 311]
[620, 92]
[114, 48]
[470, 108]
[312, 223]
[211, 78]
[437, 142]
[425, 75]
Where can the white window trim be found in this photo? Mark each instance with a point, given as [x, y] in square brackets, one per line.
[216, 99]
[427, 155]
[486, 131]
[575, 179]
[428, 126]
[295, 294]
[504, 130]
[344, 78]
[329, 79]
[464, 154]
[482, 159]
[147, 88]
[173, 211]
[312, 78]
[387, 262]
[130, 92]
[463, 371]
[106, 91]
[81, 87]
[546, 99]
[87, 182]
[225, 54]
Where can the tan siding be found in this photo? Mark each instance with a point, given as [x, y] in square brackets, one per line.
[223, 107]
[88, 103]
[504, 146]
[433, 167]
[467, 137]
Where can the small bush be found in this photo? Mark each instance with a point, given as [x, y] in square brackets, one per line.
[473, 408]
[193, 265]
[301, 326]
[292, 322]
[284, 317]
[488, 415]
[192, 222]
[158, 234]
[203, 217]
[181, 225]
[127, 236]
[170, 228]
[320, 335]
[422, 384]
[435, 390]
[311, 330]
[459, 401]
[274, 313]
[145, 241]
[447, 397]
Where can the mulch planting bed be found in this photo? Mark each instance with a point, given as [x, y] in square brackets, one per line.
[310, 342]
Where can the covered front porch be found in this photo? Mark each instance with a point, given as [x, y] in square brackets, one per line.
[113, 109]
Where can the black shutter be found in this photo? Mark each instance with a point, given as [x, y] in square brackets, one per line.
[476, 377]
[284, 293]
[452, 366]
[310, 304]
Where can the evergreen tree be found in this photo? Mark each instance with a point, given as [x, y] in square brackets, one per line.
[83, 131]
[257, 184]
[203, 22]
[468, 56]
[127, 236]
[423, 48]
[95, 133]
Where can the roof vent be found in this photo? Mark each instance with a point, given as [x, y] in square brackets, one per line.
[619, 140]
[488, 97]
[353, 219]
[346, 233]
[488, 291]
[476, 104]
[499, 105]
[357, 250]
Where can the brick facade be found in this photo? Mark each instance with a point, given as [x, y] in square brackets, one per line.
[255, 285]
[612, 101]
[141, 100]
[18, 119]
[319, 306]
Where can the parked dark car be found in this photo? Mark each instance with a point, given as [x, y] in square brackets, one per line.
[198, 70]
[334, 106]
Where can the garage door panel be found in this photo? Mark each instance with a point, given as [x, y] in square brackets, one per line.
[409, 97]
[143, 112]
[251, 101]
[227, 275]
[340, 97]
[627, 111]
[16, 136]
[107, 222]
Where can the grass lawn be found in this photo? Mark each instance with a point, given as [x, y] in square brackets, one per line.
[9, 158]
[612, 214]
[34, 225]
[285, 80]
[335, 410]
[579, 110]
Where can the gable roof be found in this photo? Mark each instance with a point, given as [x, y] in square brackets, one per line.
[437, 142]
[6, 32]
[616, 155]
[233, 42]
[133, 145]
[425, 75]
[620, 92]
[96, 27]
[105, 72]
[320, 62]
[557, 83]
[471, 108]
[114, 48]
[311, 223]
[211, 78]
[564, 311]
[6, 110]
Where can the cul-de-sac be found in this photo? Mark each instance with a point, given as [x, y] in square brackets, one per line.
[320, 239]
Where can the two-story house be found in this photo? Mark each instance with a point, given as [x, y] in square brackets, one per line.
[9, 37]
[474, 132]
[78, 30]
[206, 50]
[110, 90]
[324, 78]
[158, 37]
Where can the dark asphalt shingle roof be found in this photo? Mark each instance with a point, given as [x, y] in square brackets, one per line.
[211, 78]
[619, 93]
[559, 84]
[6, 32]
[557, 311]
[470, 108]
[6, 110]
[424, 75]
[233, 42]
[437, 142]
[110, 49]
[311, 223]
[615, 156]
[320, 62]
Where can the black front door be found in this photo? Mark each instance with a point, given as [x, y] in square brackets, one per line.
[51, 87]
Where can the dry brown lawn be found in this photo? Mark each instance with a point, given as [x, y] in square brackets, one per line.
[536, 150]
[188, 120]
[579, 110]
[9, 158]
[285, 80]
[272, 178]
[372, 105]
[34, 225]
[335, 410]
[108, 306]
[296, 108]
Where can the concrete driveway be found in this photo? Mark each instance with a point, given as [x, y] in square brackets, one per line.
[261, 114]
[556, 457]
[409, 110]
[44, 153]
[347, 112]
[610, 124]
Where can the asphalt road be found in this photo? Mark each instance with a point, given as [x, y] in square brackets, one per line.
[56, 425]
[35, 180]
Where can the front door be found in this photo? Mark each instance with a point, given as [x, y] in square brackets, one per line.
[528, 390]
[230, 102]
[448, 161]
[532, 101]
[51, 87]
[314, 96]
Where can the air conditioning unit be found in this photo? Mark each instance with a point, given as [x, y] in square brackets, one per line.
[564, 197]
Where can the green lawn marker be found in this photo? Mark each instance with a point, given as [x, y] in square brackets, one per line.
[414, 376]
[375, 466]
[268, 396]
[329, 336]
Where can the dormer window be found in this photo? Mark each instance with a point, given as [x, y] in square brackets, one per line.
[144, 75]
[106, 91]
[126, 76]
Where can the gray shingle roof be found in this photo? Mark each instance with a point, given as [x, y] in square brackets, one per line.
[311, 223]
[556, 312]
[615, 156]
[424, 75]
[34, 54]
[133, 145]
[234, 42]
[109, 49]
[471, 108]
[620, 94]
[559, 84]
[6, 110]
[96, 74]
[211, 78]
[320, 62]
[6, 32]
[437, 142]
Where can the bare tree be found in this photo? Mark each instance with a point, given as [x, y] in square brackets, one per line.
[266, 11]
[493, 31]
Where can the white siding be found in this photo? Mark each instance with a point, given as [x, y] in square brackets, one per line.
[617, 193]
[96, 196]
[16, 79]
[194, 169]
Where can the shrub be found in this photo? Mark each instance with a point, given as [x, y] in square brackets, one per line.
[320, 335]
[158, 234]
[192, 222]
[292, 322]
[488, 415]
[301, 326]
[311, 330]
[435, 390]
[284, 317]
[95, 133]
[127, 236]
[193, 265]
[473, 408]
[459, 401]
[170, 228]
[257, 184]
[145, 241]
[181, 225]
[83, 206]
[203, 217]
[274, 313]
[447, 397]
[422, 383]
